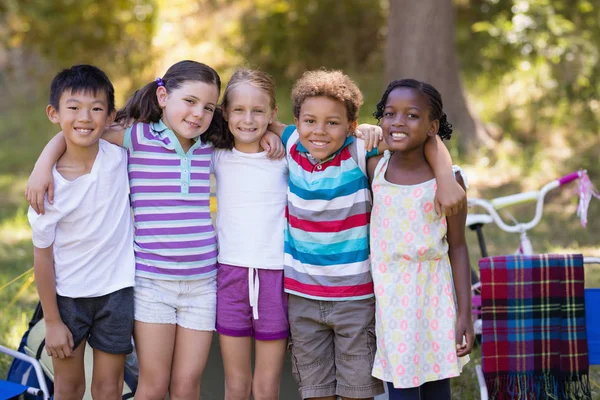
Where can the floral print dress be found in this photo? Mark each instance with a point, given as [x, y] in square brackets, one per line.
[415, 299]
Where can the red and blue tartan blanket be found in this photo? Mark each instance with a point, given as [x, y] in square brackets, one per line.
[533, 340]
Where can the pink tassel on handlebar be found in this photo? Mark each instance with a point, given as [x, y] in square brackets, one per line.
[586, 191]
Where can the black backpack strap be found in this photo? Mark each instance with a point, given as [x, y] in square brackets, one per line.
[38, 353]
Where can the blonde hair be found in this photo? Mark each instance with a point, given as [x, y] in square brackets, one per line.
[329, 83]
[260, 80]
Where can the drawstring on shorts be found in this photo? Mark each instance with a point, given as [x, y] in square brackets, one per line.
[253, 288]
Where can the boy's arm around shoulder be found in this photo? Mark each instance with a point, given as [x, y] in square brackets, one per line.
[458, 253]
[450, 197]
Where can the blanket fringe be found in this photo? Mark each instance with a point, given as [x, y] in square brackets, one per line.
[538, 387]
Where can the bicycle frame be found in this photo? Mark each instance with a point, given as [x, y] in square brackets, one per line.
[491, 206]
[477, 221]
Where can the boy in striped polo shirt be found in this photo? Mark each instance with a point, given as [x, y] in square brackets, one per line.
[327, 275]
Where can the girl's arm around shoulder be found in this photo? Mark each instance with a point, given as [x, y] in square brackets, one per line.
[115, 134]
[277, 127]
[450, 197]
[41, 180]
[461, 275]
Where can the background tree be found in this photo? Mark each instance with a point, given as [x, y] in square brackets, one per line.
[421, 45]
[288, 37]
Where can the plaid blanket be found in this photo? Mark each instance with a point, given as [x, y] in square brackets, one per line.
[534, 343]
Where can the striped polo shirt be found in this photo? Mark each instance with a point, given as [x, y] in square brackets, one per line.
[328, 211]
[170, 189]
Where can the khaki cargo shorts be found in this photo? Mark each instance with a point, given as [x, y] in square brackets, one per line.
[333, 347]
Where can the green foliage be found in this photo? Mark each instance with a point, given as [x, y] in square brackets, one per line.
[286, 37]
[542, 54]
[41, 36]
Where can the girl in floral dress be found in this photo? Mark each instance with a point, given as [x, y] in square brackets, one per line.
[419, 260]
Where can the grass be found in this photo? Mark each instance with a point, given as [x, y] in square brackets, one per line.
[504, 172]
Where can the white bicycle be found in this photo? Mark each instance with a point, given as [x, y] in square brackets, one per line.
[476, 222]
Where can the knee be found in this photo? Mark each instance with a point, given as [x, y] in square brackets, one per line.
[184, 387]
[265, 389]
[69, 388]
[152, 389]
[238, 389]
[105, 389]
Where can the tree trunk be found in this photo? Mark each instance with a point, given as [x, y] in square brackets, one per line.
[421, 45]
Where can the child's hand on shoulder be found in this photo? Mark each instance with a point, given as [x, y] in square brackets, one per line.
[450, 197]
[371, 134]
[465, 335]
[59, 340]
[273, 145]
[38, 184]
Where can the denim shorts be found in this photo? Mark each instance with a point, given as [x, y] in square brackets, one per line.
[189, 304]
[333, 347]
[251, 302]
[105, 321]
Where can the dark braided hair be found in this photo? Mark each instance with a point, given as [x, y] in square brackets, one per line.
[433, 96]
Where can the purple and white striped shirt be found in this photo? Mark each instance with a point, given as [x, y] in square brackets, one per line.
[170, 189]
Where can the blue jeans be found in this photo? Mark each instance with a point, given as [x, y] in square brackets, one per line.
[436, 390]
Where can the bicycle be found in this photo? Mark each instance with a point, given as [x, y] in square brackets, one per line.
[476, 222]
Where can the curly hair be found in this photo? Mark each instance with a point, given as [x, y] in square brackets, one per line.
[329, 83]
[433, 97]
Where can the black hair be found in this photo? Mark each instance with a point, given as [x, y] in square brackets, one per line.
[143, 105]
[82, 78]
[433, 96]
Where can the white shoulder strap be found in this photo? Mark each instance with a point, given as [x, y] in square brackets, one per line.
[361, 155]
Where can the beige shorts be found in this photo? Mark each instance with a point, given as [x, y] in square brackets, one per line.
[189, 304]
[333, 347]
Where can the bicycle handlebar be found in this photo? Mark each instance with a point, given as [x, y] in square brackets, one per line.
[491, 206]
[569, 178]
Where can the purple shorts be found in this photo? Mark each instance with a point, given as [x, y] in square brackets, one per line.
[251, 302]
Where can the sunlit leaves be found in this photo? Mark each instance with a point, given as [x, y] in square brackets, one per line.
[553, 42]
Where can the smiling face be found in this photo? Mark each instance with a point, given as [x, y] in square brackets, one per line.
[405, 123]
[248, 115]
[189, 109]
[83, 116]
[323, 126]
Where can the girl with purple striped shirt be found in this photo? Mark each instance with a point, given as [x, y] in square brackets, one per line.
[170, 146]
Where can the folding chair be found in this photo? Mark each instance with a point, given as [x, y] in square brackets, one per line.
[12, 389]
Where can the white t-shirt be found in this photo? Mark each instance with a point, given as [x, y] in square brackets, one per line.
[251, 200]
[91, 228]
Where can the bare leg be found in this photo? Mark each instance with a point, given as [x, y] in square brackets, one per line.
[268, 367]
[189, 360]
[349, 398]
[237, 359]
[154, 344]
[107, 378]
[69, 375]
